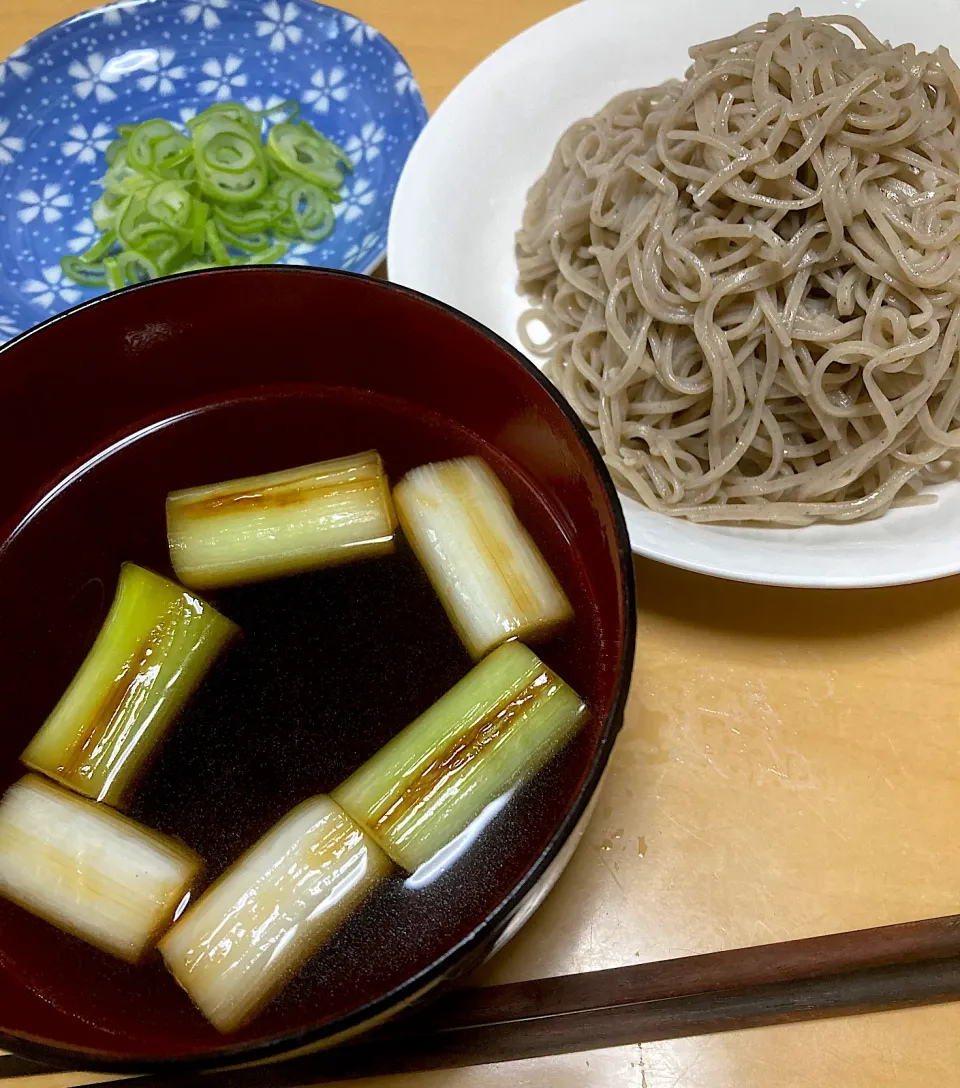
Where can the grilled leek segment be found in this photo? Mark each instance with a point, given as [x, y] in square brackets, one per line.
[252, 930]
[286, 522]
[484, 565]
[89, 870]
[499, 725]
[156, 645]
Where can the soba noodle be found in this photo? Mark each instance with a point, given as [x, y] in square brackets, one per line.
[751, 277]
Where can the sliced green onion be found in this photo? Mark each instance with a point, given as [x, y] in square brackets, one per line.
[171, 204]
[84, 272]
[116, 146]
[230, 111]
[100, 248]
[217, 248]
[154, 648]
[259, 216]
[215, 197]
[304, 152]
[89, 870]
[291, 107]
[229, 161]
[494, 729]
[306, 211]
[104, 210]
[198, 237]
[282, 523]
[484, 565]
[243, 939]
[136, 267]
[112, 272]
[269, 256]
[122, 179]
[257, 242]
[157, 147]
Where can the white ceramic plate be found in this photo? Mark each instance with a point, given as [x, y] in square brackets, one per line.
[460, 200]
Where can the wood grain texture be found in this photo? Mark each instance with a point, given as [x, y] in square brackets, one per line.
[767, 965]
[429, 1043]
[917, 963]
[790, 766]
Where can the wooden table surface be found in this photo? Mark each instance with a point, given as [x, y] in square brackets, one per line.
[790, 764]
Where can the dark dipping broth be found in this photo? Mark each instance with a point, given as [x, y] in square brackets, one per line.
[330, 666]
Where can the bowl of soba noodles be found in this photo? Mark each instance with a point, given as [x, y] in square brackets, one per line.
[318, 626]
[731, 238]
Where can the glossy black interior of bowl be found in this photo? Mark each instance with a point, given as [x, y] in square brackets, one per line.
[220, 375]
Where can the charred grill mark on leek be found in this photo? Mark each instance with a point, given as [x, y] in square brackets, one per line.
[494, 729]
[154, 648]
[523, 599]
[98, 726]
[464, 748]
[235, 948]
[281, 523]
[273, 497]
[485, 567]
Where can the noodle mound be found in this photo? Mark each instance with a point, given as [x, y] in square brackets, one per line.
[751, 276]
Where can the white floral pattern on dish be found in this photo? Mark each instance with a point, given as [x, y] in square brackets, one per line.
[328, 87]
[49, 203]
[8, 329]
[15, 65]
[86, 145]
[163, 73]
[204, 12]
[366, 146]
[52, 285]
[9, 145]
[63, 94]
[279, 24]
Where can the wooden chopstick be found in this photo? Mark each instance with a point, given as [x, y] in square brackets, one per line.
[840, 974]
[810, 957]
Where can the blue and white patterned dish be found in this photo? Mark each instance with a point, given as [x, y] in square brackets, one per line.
[63, 94]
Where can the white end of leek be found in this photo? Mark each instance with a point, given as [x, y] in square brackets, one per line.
[89, 870]
[154, 648]
[252, 930]
[498, 726]
[484, 565]
[282, 523]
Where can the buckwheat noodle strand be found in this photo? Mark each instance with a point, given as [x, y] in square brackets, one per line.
[750, 277]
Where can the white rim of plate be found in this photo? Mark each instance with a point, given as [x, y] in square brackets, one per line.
[906, 545]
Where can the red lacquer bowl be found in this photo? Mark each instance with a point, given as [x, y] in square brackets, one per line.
[221, 374]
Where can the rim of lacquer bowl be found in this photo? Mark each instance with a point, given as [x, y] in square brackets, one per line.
[284, 1044]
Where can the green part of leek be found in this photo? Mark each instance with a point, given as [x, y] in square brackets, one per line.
[488, 572]
[218, 196]
[283, 523]
[154, 648]
[90, 871]
[497, 727]
[252, 930]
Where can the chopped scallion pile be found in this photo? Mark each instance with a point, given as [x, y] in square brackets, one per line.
[215, 196]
